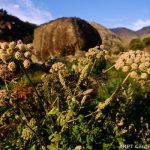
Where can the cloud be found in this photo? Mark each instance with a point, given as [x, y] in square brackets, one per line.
[140, 24]
[26, 10]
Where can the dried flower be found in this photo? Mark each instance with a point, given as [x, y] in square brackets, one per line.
[19, 55]
[4, 45]
[10, 51]
[134, 66]
[133, 74]
[12, 45]
[144, 76]
[27, 54]
[125, 69]
[57, 67]
[19, 42]
[26, 63]
[12, 66]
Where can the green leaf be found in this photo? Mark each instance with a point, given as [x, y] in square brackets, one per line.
[53, 111]
[52, 147]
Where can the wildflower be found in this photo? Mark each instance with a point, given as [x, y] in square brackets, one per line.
[125, 69]
[78, 147]
[62, 80]
[19, 42]
[12, 45]
[144, 76]
[83, 99]
[26, 63]
[4, 45]
[142, 67]
[32, 122]
[75, 68]
[148, 70]
[147, 64]
[27, 54]
[27, 134]
[11, 66]
[102, 46]
[87, 92]
[58, 66]
[44, 77]
[18, 55]
[133, 74]
[130, 61]
[21, 47]
[4, 57]
[30, 46]
[10, 51]
[134, 66]
[137, 60]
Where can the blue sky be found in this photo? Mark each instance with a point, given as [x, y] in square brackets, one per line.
[133, 14]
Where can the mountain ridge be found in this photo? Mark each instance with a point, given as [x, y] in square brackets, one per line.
[127, 34]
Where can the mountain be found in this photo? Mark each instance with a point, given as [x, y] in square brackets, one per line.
[12, 28]
[110, 39]
[144, 32]
[127, 35]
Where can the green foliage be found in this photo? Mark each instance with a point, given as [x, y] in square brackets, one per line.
[61, 110]
[146, 41]
[136, 44]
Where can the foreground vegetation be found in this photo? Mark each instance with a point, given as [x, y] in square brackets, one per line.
[73, 103]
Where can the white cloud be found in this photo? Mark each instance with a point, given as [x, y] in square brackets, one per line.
[16, 6]
[140, 24]
[26, 10]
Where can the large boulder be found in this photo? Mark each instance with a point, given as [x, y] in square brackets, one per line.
[64, 36]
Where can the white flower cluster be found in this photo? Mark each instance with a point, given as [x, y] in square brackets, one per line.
[135, 62]
[9, 52]
[96, 52]
[59, 66]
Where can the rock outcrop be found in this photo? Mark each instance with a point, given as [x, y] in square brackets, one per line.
[64, 36]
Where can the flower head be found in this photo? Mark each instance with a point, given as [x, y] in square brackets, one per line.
[26, 63]
[11, 66]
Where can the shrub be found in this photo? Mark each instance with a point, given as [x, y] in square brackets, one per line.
[136, 44]
[146, 41]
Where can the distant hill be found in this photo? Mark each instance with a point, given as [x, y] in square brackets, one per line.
[110, 39]
[12, 28]
[144, 32]
[126, 34]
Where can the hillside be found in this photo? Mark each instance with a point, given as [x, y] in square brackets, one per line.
[110, 40]
[144, 32]
[12, 28]
[126, 34]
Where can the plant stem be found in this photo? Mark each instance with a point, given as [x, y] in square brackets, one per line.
[39, 99]
[6, 85]
[108, 69]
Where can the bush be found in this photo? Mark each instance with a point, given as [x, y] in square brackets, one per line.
[146, 41]
[136, 44]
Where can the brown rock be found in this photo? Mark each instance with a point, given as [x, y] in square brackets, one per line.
[64, 36]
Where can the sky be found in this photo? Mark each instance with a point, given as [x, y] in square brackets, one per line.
[133, 14]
